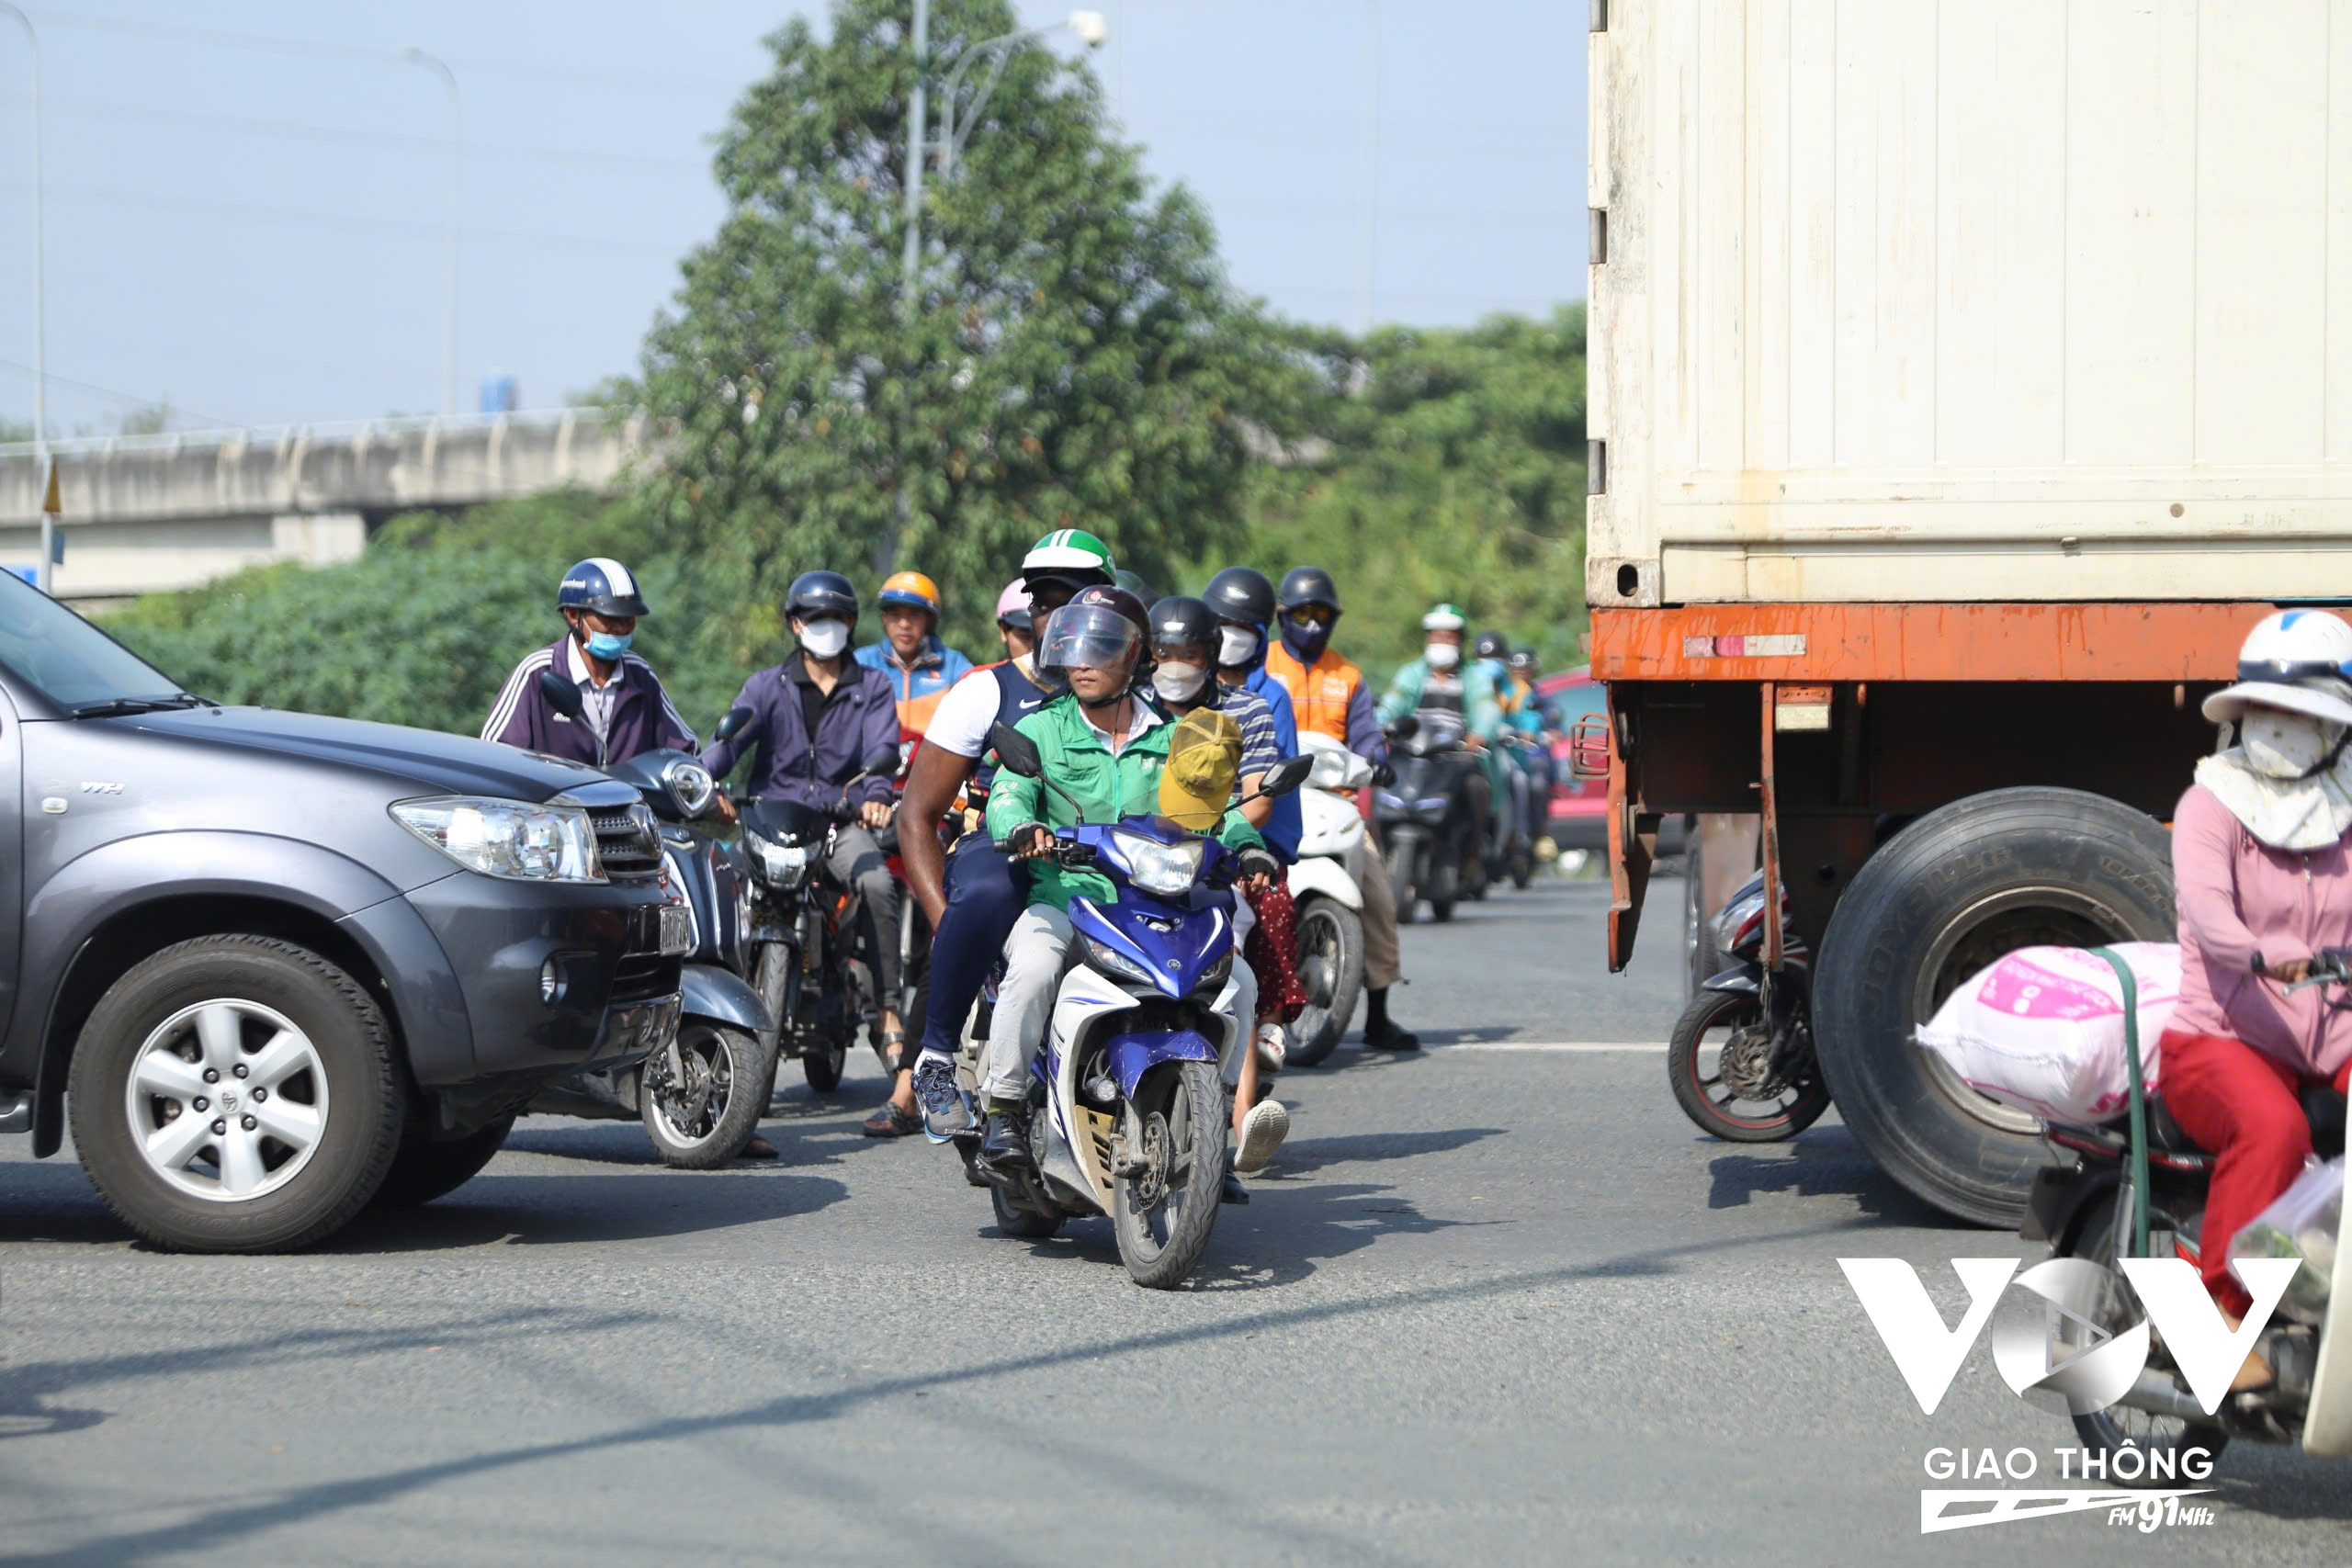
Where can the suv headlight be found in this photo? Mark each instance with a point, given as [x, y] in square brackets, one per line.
[513, 839]
[1165, 869]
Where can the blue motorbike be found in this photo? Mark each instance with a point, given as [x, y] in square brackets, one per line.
[1128, 1109]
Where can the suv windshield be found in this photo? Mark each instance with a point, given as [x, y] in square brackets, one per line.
[72, 662]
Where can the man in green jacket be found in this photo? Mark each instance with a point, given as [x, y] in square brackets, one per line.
[1105, 747]
[1439, 680]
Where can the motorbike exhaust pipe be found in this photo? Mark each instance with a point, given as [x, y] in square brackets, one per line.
[2158, 1394]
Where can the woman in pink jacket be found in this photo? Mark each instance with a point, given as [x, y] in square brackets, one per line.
[2259, 851]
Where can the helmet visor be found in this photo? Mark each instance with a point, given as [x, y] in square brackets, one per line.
[1087, 636]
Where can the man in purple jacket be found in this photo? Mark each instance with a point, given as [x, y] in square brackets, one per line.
[624, 705]
[815, 719]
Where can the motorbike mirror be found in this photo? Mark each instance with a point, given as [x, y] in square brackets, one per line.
[881, 760]
[562, 695]
[733, 725]
[1405, 729]
[1286, 775]
[1016, 752]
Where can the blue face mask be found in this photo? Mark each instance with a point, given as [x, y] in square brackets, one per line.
[607, 647]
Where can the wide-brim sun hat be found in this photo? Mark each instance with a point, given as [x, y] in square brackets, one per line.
[2330, 701]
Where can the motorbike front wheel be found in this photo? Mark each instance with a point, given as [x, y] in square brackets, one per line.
[1403, 853]
[1714, 1032]
[700, 1115]
[2108, 1431]
[1164, 1214]
[822, 1064]
[1330, 968]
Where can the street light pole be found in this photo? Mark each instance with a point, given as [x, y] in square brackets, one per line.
[1088, 26]
[1372, 170]
[457, 211]
[41, 319]
[912, 184]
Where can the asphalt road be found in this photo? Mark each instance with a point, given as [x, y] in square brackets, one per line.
[1490, 1305]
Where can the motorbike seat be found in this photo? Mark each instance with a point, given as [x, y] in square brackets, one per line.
[2165, 1134]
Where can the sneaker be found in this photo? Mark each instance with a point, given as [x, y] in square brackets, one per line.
[1273, 1046]
[1262, 1132]
[946, 1109]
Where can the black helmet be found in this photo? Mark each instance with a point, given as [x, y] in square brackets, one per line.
[1179, 620]
[1134, 582]
[1524, 658]
[1116, 599]
[818, 593]
[1309, 585]
[1240, 593]
[602, 586]
[1100, 623]
[1491, 645]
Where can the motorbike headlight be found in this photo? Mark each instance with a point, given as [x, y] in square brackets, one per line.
[783, 865]
[1218, 973]
[1111, 961]
[690, 785]
[1165, 869]
[511, 839]
[1736, 917]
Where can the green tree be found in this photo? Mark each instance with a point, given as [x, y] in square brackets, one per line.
[1456, 473]
[422, 628]
[1071, 356]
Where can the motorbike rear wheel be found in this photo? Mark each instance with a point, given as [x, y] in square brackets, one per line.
[1716, 1107]
[822, 1064]
[2110, 1431]
[703, 1122]
[1403, 853]
[1164, 1216]
[1330, 966]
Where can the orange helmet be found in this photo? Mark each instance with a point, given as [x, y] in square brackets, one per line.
[911, 589]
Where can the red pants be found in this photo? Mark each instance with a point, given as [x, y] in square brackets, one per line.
[2240, 1106]
[1272, 952]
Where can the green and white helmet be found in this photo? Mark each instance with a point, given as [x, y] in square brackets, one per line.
[1444, 618]
[1073, 555]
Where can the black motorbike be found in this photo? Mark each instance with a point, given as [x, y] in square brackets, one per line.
[1425, 818]
[1741, 1060]
[806, 965]
[701, 1098]
[2138, 1190]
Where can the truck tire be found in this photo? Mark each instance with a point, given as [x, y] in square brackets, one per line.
[426, 1168]
[256, 1014]
[1946, 897]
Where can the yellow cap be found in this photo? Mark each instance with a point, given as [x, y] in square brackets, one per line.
[1196, 786]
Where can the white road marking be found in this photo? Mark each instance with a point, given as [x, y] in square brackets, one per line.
[1551, 1047]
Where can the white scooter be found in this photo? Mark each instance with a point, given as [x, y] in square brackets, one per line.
[1328, 887]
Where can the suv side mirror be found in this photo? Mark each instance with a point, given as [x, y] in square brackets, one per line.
[1015, 752]
[733, 725]
[562, 695]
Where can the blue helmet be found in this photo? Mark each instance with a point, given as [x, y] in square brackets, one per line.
[603, 586]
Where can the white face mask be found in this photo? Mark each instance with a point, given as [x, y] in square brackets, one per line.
[2284, 745]
[824, 640]
[1443, 655]
[1179, 682]
[1236, 646]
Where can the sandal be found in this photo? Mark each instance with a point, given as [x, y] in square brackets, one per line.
[891, 1122]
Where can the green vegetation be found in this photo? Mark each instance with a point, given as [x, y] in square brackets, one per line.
[1073, 357]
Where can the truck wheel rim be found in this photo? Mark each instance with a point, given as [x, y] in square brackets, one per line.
[1974, 940]
[227, 1100]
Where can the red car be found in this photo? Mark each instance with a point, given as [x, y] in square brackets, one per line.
[1579, 812]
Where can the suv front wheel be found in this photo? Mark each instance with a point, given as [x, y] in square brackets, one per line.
[235, 1094]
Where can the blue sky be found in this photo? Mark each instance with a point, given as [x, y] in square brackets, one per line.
[248, 199]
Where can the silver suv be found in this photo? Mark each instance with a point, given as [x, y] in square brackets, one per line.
[272, 967]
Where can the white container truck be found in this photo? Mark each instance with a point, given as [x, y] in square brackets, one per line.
[1965, 380]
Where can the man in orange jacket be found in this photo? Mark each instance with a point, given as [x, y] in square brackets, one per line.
[1328, 695]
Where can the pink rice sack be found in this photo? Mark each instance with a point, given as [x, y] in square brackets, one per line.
[2043, 1029]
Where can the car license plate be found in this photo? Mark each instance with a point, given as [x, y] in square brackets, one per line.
[677, 930]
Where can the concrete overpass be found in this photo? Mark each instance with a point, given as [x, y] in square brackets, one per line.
[146, 512]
